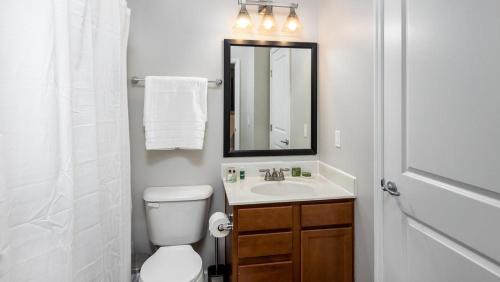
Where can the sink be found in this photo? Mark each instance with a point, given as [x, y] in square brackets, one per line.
[282, 188]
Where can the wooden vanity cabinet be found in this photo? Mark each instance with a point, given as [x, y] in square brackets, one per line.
[292, 242]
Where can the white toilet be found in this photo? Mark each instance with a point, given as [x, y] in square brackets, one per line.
[176, 217]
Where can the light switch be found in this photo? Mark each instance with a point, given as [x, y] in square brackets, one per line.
[337, 138]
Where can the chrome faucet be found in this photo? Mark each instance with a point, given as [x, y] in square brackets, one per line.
[275, 175]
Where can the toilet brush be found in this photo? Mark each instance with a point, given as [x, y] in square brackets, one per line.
[219, 225]
[216, 273]
[216, 255]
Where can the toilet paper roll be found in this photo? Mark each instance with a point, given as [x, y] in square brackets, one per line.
[216, 219]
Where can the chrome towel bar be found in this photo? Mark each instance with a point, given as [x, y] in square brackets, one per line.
[135, 80]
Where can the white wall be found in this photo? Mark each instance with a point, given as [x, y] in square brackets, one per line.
[346, 87]
[261, 99]
[185, 38]
[247, 85]
[300, 102]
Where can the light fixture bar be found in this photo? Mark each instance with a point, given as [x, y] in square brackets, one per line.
[268, 3]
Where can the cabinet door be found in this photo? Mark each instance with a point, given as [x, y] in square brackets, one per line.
[326, 255]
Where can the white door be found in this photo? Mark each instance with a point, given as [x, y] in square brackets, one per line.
[280, 98]
[442, 141]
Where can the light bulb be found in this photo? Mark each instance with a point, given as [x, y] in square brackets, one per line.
[243, 20]
[292, 22]
[292, 25]
[268, 22]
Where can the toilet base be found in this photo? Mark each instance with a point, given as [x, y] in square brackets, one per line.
[199, 278]
[173, 264]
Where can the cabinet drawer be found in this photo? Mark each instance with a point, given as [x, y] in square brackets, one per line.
[276, 272]
[326, 214]
[268, 218]
[261, 245]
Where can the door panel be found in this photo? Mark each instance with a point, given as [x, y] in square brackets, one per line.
[471, 218]
[431, 256]
[451, 91]
[280, 98]
[441, 140]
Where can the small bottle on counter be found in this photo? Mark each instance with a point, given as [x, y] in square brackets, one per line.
[296, 171]
[229, 176]
[242, 174]
[235, 176]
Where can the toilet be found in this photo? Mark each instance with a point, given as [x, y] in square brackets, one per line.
[175, 217]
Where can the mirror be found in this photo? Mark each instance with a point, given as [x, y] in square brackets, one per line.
[269, 98]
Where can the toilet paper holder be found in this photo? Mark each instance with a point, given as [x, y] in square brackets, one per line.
[224, 227]
[228, 226]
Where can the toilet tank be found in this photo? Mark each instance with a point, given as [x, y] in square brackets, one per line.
[177, 215]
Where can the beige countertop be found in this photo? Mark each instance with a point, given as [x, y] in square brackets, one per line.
[315, 188]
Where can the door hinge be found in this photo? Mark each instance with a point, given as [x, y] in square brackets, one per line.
[271, 73]
[382, 182]
[270, 127]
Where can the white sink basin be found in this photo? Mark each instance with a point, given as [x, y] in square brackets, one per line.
[282, 188]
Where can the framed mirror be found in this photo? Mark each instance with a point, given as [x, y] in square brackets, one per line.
[270, 98]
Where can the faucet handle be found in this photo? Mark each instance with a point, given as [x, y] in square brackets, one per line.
[267, 177]
[281, 175]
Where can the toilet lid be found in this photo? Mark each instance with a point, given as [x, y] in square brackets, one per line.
[172, 264]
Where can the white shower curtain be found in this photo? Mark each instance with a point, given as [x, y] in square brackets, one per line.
[64, 142]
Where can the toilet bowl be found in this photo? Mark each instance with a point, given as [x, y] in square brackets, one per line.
[175, 217]
[173, 264]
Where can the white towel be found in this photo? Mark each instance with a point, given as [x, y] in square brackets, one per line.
[175, 112]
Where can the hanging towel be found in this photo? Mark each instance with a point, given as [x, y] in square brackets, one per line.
[175, 112]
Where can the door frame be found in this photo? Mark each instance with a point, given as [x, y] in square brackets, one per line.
[237, 95]
[378, 139]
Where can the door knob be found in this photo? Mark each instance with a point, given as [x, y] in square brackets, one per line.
[391, 188]
[285, 141]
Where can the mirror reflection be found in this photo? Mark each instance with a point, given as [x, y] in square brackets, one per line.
[270, 98]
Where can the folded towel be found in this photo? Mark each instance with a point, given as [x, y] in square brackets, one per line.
[175, 112]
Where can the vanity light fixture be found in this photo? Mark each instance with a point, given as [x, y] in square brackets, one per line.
[268, 22]
[243, 21]
[292, 22]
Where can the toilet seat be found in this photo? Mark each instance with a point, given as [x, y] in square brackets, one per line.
[173, 264]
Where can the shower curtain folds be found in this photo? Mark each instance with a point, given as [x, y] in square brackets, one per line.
[64, 141]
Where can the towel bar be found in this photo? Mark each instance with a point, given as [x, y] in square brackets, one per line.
[135, 80]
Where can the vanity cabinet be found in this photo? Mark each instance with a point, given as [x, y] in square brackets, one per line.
[291, 242]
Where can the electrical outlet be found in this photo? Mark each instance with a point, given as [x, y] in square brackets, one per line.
[337, 138]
